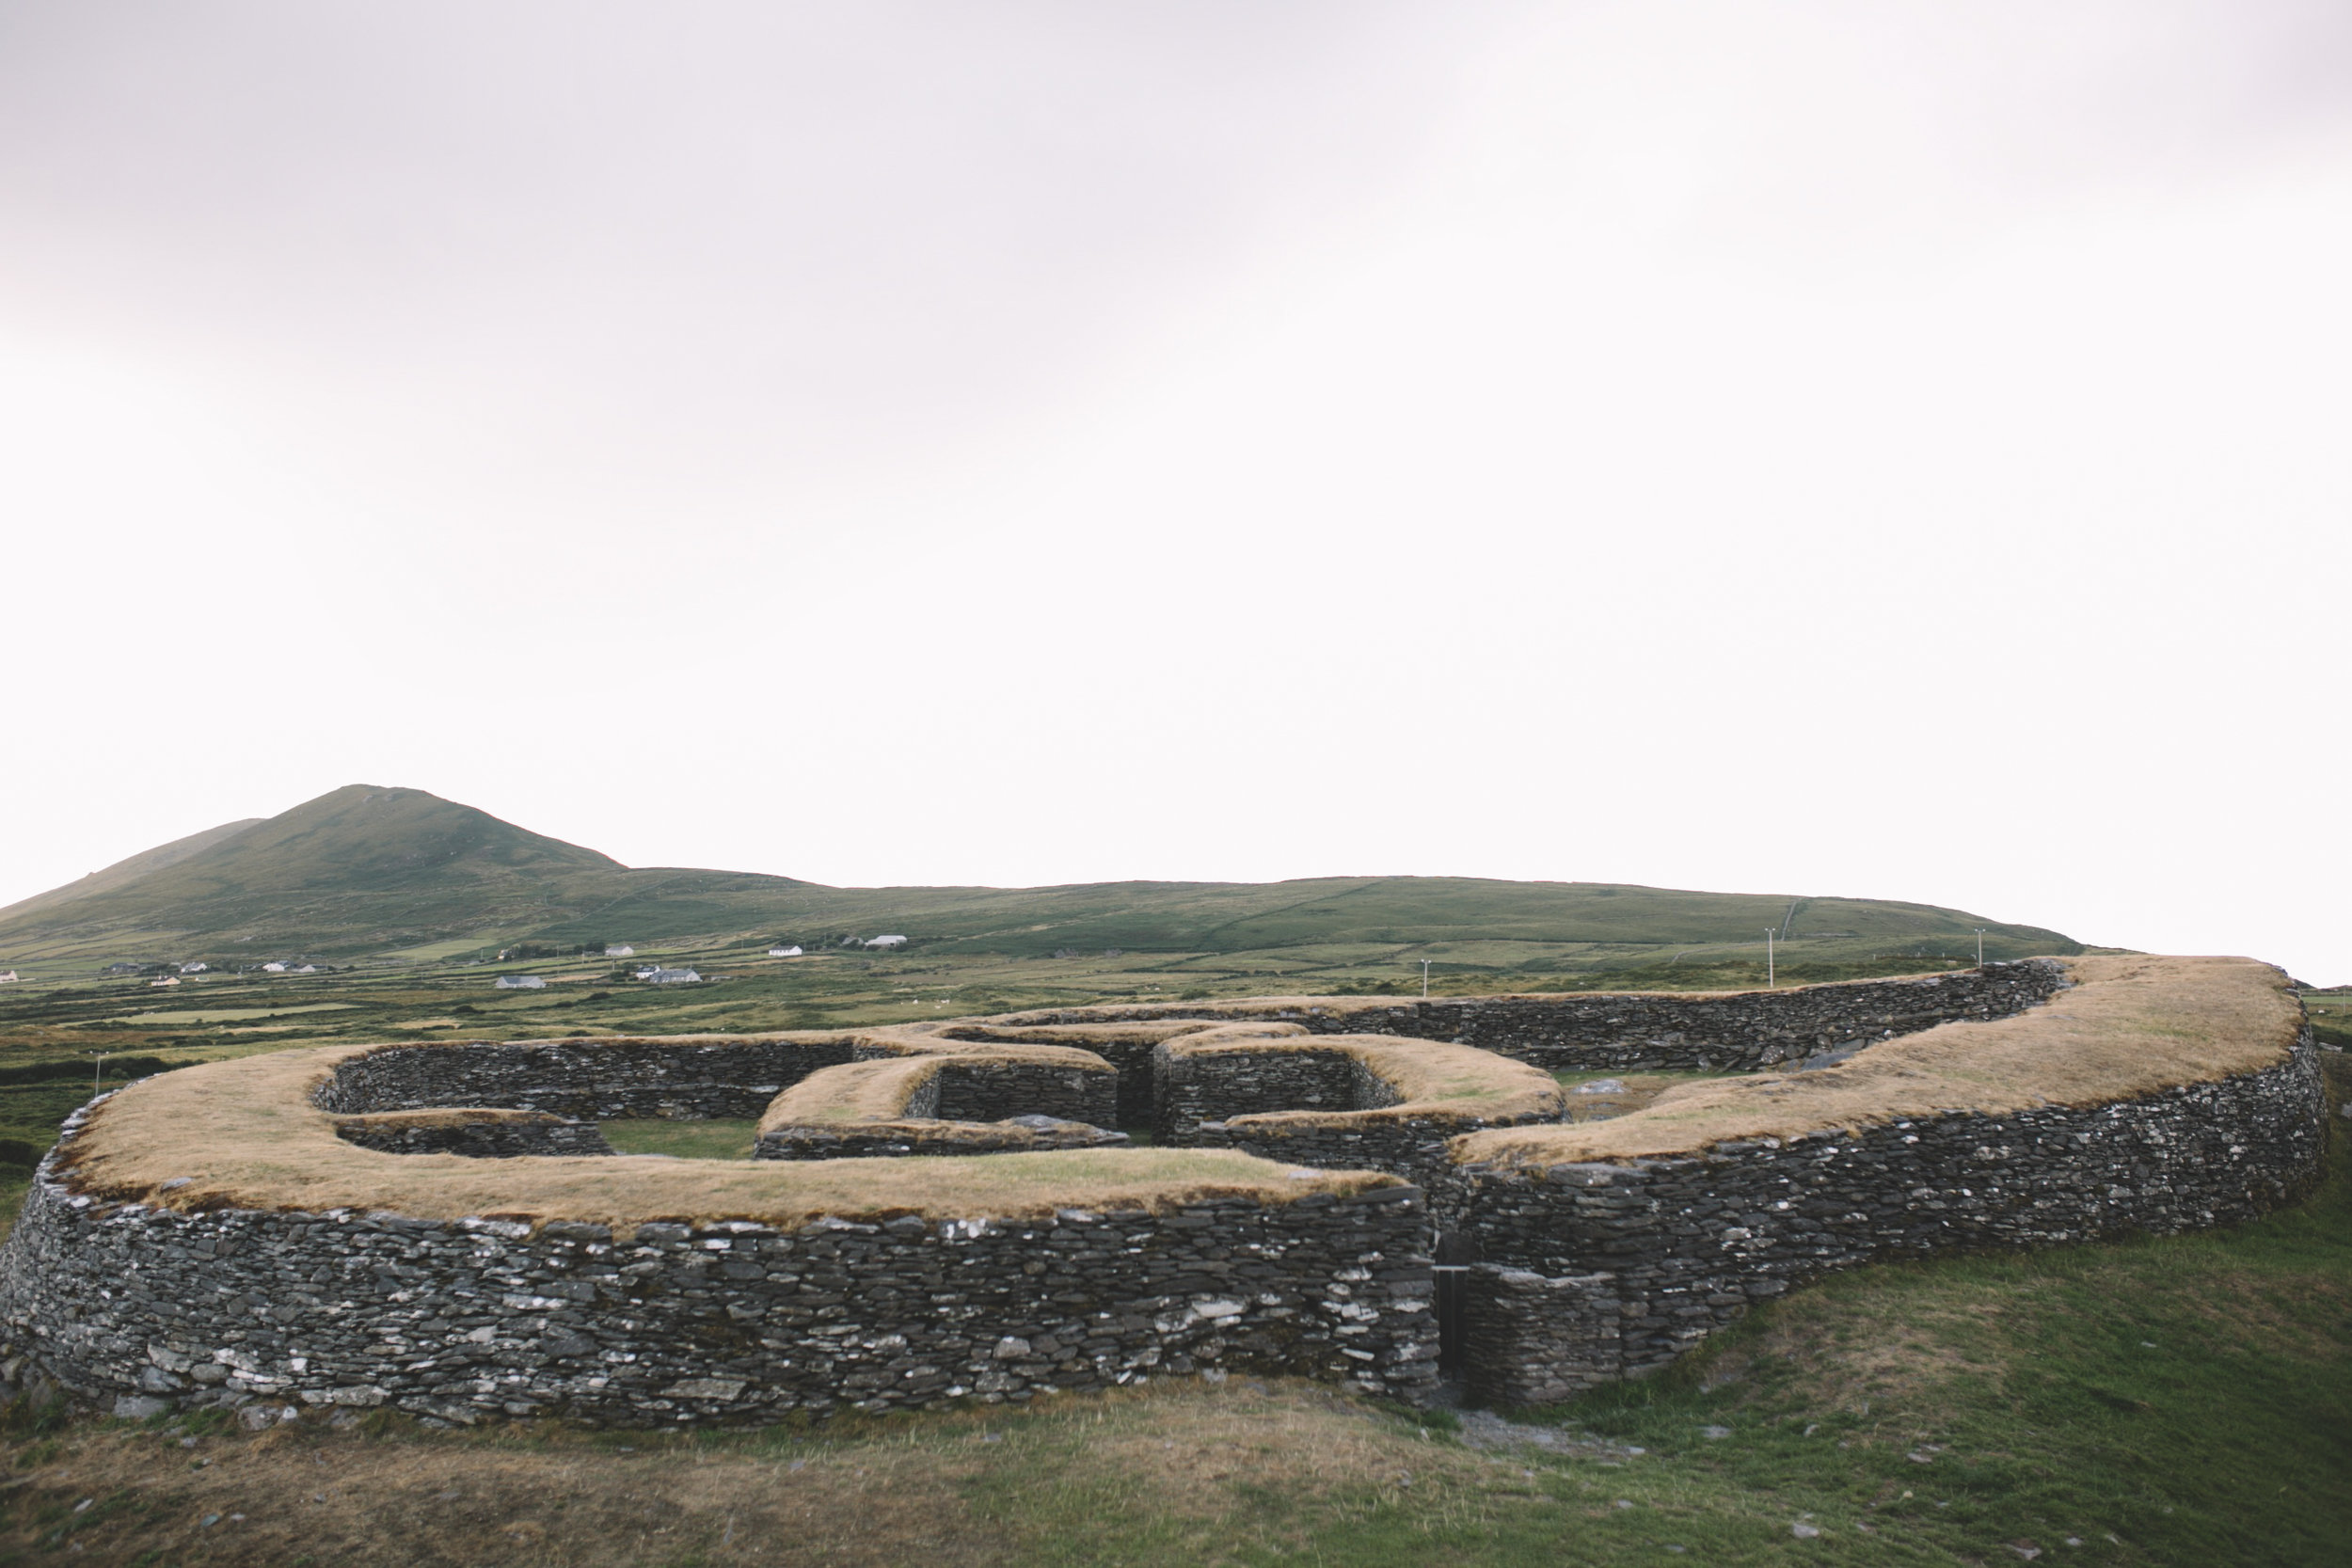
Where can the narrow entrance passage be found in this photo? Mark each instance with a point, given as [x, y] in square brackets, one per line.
[1453, 1288]
[1452, 1255]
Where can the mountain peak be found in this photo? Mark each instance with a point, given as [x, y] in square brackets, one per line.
[372, 832]
[378, 865]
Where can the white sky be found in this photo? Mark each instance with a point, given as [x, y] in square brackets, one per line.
[1893, 450]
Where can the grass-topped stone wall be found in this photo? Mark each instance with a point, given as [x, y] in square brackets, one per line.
[1611, 1032]
[902, 1099]
[2154, 1094]
[1343, 1101]
[334, 1236]
[462, 1319]
[483, 1134]
[690, 1076]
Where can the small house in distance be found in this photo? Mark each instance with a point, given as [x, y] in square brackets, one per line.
[619, 950]
[8, 977]
[674, 978]
[886, 942]
[165, 980]
[784, 952]
[199, 967]
[273, 967]
[518, 982]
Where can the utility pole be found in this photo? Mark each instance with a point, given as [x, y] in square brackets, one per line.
[1768, 957]
[1979, 948]
[1425, 979]
[97, 1069]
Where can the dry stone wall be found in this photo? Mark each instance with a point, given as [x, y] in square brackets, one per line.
[1580, 1272]
[1129, 1056]
[482, 1140]
[1737, 1030]
[1589, 1273]
[985, 1091]
[140, 1308]
[959, 1104]
[1191, 1091]
[585, 1079]
[1025, 1134]
[1229, 1098]
[1414, 1148]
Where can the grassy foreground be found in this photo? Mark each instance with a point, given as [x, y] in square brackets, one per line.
[2175, 1401]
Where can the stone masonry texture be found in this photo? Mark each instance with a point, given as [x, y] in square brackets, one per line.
[1586, 1273]
[1708, 1031]
[588, 1080]
[1580, 1274]
[484, 1140]
[482, 1318]
[1199, 1096]
[898, 1139]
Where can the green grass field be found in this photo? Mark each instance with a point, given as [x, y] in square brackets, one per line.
[716, 1139]
[2330, 1014]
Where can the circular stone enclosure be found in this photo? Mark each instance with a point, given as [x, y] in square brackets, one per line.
[960, 1210]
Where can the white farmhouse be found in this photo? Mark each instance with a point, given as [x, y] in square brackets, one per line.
[619, 950]
[518, 982]
[886, 942]
[674, 978]
[197, 968]
[784, 952]
[273, 967]
[8, 977]
[164, 980]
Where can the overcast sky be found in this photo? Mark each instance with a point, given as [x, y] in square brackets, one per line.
[1876, 448]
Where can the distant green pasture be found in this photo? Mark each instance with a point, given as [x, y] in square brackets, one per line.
[231, 1014]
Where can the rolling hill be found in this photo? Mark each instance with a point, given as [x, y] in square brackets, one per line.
[123, 873]
[370, 870]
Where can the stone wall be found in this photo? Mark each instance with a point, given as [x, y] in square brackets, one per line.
[901, 1139]
[977, 1090]
[964, 1105]
[1412, 1147]
[1129, 1055]
[589, 1079]
[1590, 1272]
[139, 1308]
[481, 1139]
[1738, 1031]
[1581, 1272]
[1228, 1099]
[1735, 1031]
[1191, 1090]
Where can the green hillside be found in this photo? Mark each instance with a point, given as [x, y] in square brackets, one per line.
[371, 871]
[123, 873]
[360, 869]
